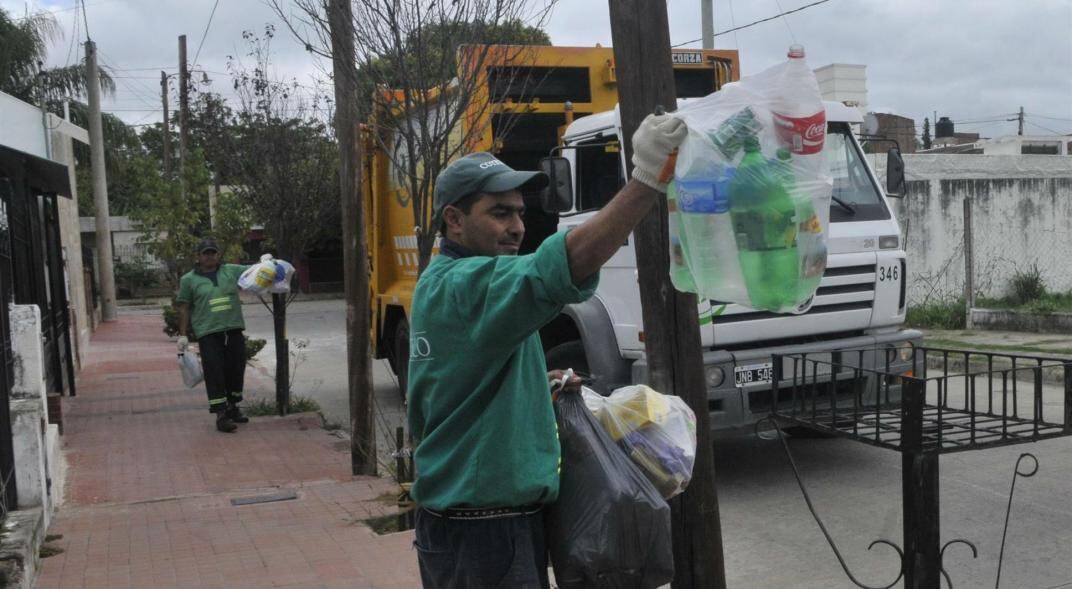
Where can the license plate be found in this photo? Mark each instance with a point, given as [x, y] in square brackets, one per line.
[753, 374]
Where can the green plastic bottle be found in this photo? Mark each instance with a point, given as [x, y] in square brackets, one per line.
[811, 248]
[764, 222]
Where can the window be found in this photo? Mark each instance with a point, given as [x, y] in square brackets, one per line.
[852, 183]
[599, 172]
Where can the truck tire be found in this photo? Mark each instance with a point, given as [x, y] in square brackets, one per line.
[400, 356]
[568, 355]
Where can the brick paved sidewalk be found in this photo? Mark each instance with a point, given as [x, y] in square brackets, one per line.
[150, 483]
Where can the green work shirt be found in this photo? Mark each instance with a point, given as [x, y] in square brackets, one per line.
[214, 307]
[479, 401]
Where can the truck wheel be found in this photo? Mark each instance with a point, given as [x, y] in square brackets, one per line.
[568, 355]
[400, 355]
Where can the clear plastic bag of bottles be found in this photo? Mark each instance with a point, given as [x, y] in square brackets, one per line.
[750, 200]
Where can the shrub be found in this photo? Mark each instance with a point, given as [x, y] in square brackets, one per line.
[938, 315]
[1027, 285]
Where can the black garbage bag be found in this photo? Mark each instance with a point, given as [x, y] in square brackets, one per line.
[610, 527]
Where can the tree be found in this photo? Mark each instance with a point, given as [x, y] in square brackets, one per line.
[172, 226]
[435, 57]
[926, 133]
[282, 158]
[23, 49]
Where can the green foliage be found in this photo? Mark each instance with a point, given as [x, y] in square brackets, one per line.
[171, 224]
[950, 314]
[266, 408]
[134, 276]
[1027, 285]
[253, 346]
[171, 322]
[24, 48]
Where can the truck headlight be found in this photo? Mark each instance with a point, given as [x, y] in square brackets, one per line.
[903, 351]
[714, 375]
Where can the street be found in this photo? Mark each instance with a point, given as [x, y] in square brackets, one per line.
[770, 538]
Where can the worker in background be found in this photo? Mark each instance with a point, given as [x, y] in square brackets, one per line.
[208, 301]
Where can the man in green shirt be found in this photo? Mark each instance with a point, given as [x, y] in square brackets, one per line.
[480, 409]
[208, 299]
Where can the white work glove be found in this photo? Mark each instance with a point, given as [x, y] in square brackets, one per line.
[184, 342]
[654, 140]
[266, 257]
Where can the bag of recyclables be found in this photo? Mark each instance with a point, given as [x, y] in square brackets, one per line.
[190, 368]
[267, 276]
[610, 527]
[750, 200]
[656, 431]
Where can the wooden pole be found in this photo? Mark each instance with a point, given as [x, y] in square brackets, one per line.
[355, 242]
[184, 115]
[641, 36]
[167, 125]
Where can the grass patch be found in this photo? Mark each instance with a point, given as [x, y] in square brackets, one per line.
[1050, 302]
[265, 407]
[938, 315]
[957, 344]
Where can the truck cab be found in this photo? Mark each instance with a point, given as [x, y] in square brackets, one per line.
[860, 303]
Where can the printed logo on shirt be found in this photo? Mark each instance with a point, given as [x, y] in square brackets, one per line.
[420, 349]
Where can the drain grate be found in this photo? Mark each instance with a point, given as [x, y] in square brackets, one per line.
[268, 498]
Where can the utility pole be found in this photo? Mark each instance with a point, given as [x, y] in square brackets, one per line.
[100, 187]
[1021, 118]
[707, 17]
[355, 242]
[167, 125]
[184, 115]
[641, 36]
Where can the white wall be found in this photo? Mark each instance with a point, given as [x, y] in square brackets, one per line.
[23, 127]
[1022, 215]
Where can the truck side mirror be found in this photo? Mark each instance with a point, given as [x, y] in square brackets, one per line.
[558, 196]
[895, 180]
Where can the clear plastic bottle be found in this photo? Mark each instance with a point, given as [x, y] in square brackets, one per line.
[764, 222]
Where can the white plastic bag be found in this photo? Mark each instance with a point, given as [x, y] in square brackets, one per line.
[656, 431]
[190, 368]
[750, 202]
[268, 276]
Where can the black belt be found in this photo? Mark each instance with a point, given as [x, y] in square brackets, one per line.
[470, 513]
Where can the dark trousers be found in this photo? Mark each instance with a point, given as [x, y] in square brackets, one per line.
[223, 360]
[506, 552]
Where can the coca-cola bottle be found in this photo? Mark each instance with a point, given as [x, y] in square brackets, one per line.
[798, 112]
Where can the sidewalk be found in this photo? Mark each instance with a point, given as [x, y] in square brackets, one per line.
[150, 483]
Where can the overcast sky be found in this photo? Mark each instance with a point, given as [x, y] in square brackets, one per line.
[970, 60]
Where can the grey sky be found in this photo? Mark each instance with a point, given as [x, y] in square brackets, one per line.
[966, 59]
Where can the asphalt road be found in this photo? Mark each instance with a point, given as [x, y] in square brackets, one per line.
[770, 538]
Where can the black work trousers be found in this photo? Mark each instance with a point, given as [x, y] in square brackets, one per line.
[223, 360]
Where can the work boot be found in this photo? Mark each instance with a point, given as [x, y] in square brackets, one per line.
[224, 423]
[235, 413]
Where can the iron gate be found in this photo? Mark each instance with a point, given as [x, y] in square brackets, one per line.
[7, 356]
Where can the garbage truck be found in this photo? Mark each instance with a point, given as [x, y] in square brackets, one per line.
[860, 303]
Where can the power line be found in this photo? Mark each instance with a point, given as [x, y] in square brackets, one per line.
[205, 34]
[754, 23]
[85, 19]
[1066, 120]
[1044, 128]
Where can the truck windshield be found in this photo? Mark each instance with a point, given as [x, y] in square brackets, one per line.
[852, 183]
[599, 176]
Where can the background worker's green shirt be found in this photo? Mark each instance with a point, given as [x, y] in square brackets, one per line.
[213, 307]
[479, 400]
